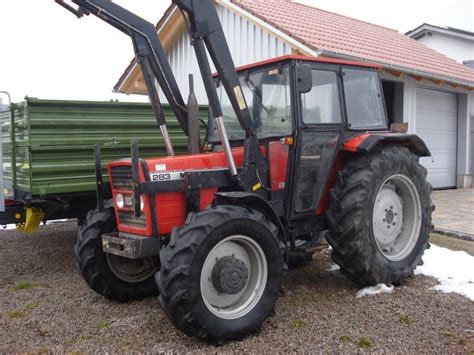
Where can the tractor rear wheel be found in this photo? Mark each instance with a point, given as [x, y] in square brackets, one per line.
[221, 273]
[112, 276]
[380, 216]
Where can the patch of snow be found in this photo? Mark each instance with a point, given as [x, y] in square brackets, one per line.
[333, 267]
[373, 290]
[453, 269]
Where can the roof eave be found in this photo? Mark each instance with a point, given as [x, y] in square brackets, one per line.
[422, 30]
[412, 71]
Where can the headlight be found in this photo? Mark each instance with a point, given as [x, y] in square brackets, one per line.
[119, 201]
[142, 204]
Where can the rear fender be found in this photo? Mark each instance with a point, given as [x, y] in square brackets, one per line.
[254, 201]
[367, 142]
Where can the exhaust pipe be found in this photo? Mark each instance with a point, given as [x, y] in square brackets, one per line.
[194, 139]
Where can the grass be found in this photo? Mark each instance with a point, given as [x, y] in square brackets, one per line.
[297, 324]
[364, 343]
[103, 324]
[22, 285]
[345, 338]
[404, 320]
[126, 342]
[15, 314]
[31, 305]
[449, 337]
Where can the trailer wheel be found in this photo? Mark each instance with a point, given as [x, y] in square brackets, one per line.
[221, 273]
[114, 277]
[380, 216]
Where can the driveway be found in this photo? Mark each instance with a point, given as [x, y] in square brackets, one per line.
[454, 214]
[47, 308]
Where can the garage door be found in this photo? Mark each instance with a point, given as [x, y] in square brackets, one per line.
[436, 124]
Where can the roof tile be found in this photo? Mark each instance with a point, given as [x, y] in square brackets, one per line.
[324, 30]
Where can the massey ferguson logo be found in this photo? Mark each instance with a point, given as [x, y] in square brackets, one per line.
[169, 176]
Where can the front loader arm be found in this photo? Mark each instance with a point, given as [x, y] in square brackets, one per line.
[148, 49]
[206, 31]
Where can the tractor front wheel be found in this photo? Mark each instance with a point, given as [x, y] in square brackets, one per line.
[380, 216]
[112, 276]
[221, 273]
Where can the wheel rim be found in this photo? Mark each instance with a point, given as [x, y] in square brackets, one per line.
[131, 270]
[225, 290]
[396, 218]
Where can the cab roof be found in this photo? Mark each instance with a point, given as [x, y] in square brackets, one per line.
[306, 59]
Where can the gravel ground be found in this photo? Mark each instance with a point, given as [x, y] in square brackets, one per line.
[45, 306]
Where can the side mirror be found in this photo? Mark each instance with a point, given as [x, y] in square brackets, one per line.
[304, 78]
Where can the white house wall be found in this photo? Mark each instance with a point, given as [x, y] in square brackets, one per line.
[459, 49]
[248, 44]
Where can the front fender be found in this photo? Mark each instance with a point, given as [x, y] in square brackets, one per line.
[254, 201]
[366, 142]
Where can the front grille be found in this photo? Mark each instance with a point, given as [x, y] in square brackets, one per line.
[128, 218]
[122, 178]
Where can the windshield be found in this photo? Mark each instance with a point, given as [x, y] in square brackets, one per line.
[269, 101]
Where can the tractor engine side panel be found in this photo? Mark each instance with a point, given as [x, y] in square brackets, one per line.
[170, 206]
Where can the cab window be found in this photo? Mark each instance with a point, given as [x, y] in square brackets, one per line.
[268, 98]
[322, 105]
[364, 103]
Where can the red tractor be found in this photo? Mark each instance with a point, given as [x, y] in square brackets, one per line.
[297, 149]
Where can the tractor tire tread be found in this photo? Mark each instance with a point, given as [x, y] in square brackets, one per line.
[175, 263]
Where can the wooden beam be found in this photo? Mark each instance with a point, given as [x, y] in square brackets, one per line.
[129, 83]
[140, 87]
[173, 29]
[454, 86]
[296, 51]
[435, 81]
[416, 77]
[396, 74]
[135, 84]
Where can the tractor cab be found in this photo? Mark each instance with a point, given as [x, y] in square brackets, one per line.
[303, 109]
[296, 91]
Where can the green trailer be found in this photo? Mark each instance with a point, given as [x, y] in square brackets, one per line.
[48, 161]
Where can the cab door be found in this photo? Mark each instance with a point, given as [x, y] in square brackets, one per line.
[320, 122]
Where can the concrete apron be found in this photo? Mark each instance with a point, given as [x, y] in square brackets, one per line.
[454, 213]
